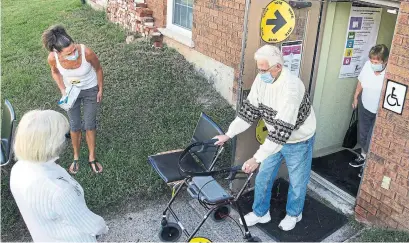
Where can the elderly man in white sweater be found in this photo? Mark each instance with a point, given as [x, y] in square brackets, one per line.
[51, 202]
[280, 99]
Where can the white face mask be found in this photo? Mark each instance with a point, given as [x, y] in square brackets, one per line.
[378, 67]
[267, 78]
[72, 57]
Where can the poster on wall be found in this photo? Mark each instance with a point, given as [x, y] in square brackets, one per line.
[292, 51]
[362, 32]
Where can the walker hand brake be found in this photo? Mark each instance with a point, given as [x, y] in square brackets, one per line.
[233, 172]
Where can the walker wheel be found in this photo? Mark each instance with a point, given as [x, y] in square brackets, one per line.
[254, 239]
[170, 233]
[220, 213]
[163, 222]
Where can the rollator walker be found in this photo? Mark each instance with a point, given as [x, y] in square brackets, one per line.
[193, 168]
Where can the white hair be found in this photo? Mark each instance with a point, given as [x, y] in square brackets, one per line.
[269, 53]
[40, 136]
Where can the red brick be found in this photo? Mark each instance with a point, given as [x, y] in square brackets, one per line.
[401, 218]
[378, 130]
[214, 12]
[400, 190]
[391, 223]
[213, 25]
[403, 62]
[365, 196]
[405, 159]
[401, 51]
[384, 152]
[393, 59]
[371, 191]
[404, 7]
[381, 141]
[403, 227]
[402, 200]
[397, 40]
[366, 205]
[145, 11]
[359, 210]
[404, 172]
[391, 203]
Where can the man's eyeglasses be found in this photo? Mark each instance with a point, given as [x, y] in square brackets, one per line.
[264, 71]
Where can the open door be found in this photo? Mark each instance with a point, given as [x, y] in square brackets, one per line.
[305, 33]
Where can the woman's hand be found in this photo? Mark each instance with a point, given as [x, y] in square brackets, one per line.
[99, 96]
[250, 166]
[355, 103]
[222, 139]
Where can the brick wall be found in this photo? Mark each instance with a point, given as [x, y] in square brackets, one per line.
[159, 11]
[389, 151]
[218, 29]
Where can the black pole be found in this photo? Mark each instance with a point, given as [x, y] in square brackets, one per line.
[83, 1]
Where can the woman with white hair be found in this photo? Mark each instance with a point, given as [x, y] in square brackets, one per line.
[51, 202]
[280, 99]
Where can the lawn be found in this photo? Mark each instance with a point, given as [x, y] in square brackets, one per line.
[152, 99]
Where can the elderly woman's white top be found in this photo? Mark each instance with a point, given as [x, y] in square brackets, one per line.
[52, 204]
[285, 107]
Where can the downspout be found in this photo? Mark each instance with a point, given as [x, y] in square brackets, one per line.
[241, 70]
[316, 46]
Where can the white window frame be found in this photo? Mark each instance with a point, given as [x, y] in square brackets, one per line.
[173, 31]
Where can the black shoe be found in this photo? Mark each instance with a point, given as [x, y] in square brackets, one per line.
[360, 172]
[358, 162]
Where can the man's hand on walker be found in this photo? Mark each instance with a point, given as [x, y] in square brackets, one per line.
[222, 139]
[250, 166]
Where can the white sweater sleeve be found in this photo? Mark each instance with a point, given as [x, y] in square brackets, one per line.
[282, 125]
[70, 205]
[248, 113]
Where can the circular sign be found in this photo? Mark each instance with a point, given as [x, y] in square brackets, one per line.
[261, 131]
[277, 22]
[200, 239]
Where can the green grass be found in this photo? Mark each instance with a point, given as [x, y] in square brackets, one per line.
[382, 235]
[152, 99]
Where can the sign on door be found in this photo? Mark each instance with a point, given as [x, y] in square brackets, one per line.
[395, 96]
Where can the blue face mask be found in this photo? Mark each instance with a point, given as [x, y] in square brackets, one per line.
[267, 78]
[378, 67]
[72, 57]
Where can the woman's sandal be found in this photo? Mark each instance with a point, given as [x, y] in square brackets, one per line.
[75, 167]
[95, 164]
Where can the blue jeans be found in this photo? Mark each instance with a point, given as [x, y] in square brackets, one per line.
[298, 157]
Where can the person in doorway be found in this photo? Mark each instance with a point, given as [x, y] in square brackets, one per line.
[280, 99]
[51, 202]
[76, 64]
[366, 98]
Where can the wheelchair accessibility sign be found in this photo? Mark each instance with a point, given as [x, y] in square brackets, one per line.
[395, 96]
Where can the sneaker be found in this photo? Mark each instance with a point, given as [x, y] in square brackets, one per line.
[289, 222]
[252, 219]
[358, 162]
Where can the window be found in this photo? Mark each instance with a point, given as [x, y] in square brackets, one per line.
[179, 21]
[183, 13]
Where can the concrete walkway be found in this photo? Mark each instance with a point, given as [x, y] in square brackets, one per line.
[144, 225]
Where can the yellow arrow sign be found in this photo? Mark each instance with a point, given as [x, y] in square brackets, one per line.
[277, 22]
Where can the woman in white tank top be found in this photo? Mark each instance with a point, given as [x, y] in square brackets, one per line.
[74, 64]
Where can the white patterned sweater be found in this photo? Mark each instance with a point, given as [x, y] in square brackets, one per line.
[52, 204]
[285, 107]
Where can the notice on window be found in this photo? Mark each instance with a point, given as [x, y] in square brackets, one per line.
[292, 52]
[362, 32]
